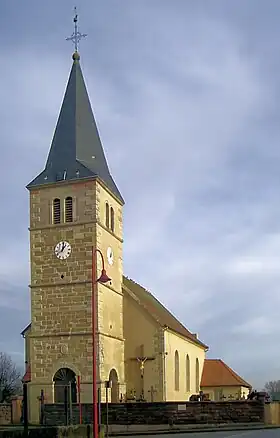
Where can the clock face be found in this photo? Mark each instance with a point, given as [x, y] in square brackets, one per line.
[110, 256]
[62, 250]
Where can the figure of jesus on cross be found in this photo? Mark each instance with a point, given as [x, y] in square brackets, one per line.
[142, 360]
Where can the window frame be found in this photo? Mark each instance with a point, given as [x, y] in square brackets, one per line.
[54, 213]
[68, 198]
[107, 215]
[112, 219]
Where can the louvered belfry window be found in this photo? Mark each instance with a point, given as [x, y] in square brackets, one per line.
[56, 211]
[69, 209]
[107, 218]
[112, 219]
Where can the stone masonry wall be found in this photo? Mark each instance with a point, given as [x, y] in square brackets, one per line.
[165, 413]
[5, 414]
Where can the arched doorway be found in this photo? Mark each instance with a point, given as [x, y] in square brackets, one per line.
[113, 377]
[64, 378]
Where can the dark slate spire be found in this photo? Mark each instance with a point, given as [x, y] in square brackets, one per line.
[76, 150]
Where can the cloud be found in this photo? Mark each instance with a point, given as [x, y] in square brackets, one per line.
[259, 325]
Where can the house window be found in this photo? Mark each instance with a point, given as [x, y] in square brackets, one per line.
[197, 382]
[68, 209]
[188, 374]
[112, 213]
[107, 218]
[177, 371]
[56, 211]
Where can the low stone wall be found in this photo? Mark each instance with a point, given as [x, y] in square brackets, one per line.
[49, 432]
[5, 414]
[227, 412]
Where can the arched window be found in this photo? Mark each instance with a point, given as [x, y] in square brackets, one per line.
[68, 209]
[112, 219]
[107, 217]
[177, 371]
[197, 382]
[188, 374]
[56, 211]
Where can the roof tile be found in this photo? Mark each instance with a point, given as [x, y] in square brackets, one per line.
[27, 376]
[217, 373]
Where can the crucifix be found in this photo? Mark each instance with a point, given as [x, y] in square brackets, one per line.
[76, 35]
[142, 359]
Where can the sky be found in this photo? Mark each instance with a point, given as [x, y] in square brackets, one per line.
[186, 97]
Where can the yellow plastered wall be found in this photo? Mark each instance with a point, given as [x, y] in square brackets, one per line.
[272, 413]
[228, 392]
[141, 329]
[184, 347]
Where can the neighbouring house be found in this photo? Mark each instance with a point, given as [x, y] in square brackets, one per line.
[221, 382]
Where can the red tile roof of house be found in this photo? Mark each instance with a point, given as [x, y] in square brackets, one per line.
[217, 373]
[27, 376]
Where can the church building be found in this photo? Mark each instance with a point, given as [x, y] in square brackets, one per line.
[75, 204]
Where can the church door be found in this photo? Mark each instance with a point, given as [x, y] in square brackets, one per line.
[64, 378]
[113, 377]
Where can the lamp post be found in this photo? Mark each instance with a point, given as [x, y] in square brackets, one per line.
[102, 279]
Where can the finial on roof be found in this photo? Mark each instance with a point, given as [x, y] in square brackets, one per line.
[76, 37]
[76, 56]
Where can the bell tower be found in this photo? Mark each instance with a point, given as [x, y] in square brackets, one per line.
[74, 205]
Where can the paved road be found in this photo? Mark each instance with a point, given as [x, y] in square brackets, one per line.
[264, 433]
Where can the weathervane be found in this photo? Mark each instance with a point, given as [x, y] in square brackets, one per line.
[76, 35]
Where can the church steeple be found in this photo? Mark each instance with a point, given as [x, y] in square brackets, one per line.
[76, 151]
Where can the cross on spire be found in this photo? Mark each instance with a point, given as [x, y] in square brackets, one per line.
[76, 35]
